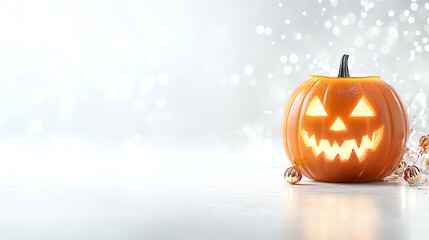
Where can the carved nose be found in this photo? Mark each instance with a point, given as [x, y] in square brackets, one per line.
[338, 125]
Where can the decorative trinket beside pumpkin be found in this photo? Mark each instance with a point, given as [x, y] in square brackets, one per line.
[292, 175]
[412, 174]
[399, 170]
[345, 129]
[424, 143]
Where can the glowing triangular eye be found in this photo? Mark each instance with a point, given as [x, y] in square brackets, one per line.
[363, 109]
[315, 108]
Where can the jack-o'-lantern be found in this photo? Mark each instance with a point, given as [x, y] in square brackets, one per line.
[345, 129]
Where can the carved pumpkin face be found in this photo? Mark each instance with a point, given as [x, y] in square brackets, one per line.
[340, 140]
[345, 129]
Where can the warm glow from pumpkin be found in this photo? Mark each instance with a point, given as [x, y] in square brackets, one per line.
[315, 108]
[363, 109]
[338, 125]
[345, 150]
[345, 129]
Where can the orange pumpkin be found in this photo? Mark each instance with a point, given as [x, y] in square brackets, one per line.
[345, 129]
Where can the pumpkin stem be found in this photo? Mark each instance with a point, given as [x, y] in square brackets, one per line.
[344, 67]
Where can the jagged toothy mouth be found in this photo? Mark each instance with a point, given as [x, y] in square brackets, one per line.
[345, 150]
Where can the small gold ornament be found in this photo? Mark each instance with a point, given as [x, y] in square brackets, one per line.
[424, 143]
[412, 174]
[400, 168]
[292, 175]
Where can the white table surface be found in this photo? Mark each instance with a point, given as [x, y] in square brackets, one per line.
[72, 189]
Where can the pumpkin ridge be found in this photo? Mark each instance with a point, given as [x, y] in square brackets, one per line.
[404, 116]
[286, 115]
[367, 127]
[299, 118]
[391, 128]
[324, 104]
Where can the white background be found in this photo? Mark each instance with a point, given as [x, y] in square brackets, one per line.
[121, 118]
